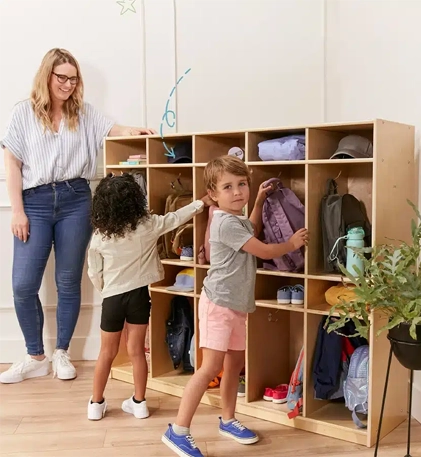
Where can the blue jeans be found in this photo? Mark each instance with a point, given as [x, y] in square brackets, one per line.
[59, 215]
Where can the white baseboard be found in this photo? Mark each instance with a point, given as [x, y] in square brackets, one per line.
[81, 348]
[85, 343]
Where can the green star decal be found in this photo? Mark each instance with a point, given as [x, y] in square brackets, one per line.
[126, 5]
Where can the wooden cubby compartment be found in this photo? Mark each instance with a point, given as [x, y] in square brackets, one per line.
[275, 332]
[316, 300]
[274, 340]
[322, 142]
[161, 363]
[158, 152]
[116, 151]
[207, 147]
[352, 178]
[171, 272]
[332, 412]
[159, 184]
[267, 287]
[256, 137]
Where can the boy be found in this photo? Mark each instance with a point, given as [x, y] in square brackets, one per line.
[227, 296]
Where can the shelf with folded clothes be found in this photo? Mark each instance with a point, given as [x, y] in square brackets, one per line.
[120, 150]
[326, 367]
[280, 292]
[274, 342]
[341, 198]
[340, 142]
[172, 329]
[284, 145]
[209, 146]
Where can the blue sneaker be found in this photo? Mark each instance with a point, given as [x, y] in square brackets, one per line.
[187, 253]
[238, 432]
[297, 295]
[284, 295]
[182, 445]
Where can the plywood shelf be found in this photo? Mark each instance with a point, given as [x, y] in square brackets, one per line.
[337, 414]
[275, 332]
[273, 304]
[127, 166]
[164, 290]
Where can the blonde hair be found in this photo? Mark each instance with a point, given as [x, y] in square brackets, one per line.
[40, 94]
[224, 164]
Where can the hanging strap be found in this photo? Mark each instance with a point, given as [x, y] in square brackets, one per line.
[335, 246]
[356, 419]
[331, 187]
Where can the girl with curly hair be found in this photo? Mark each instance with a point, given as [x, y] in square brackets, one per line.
[123, 260]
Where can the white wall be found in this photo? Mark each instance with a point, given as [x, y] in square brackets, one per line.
[373, 70]
[263, 67]
[254, 63]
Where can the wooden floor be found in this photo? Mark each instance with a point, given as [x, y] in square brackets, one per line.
[46, 417]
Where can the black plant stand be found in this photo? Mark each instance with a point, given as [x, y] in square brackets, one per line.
[408, 446]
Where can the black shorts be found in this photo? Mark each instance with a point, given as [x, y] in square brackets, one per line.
[133, 307]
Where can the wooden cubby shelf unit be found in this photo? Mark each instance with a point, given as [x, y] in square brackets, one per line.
[276, 333]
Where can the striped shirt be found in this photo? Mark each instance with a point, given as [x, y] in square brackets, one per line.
[50, 157]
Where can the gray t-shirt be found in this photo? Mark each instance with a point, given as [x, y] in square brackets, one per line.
[232, 275]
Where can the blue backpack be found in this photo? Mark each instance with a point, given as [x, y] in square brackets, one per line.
[295, 389]
[356, 384]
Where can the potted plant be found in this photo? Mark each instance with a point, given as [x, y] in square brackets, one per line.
[390, 283]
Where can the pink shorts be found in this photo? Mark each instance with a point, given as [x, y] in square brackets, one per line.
[221, 328]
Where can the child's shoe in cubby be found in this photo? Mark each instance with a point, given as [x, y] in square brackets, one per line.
[284, 295]
[241, 392]
[291, 295]
[187, 253]
[216, 381]
[276, 395]
[297, 295]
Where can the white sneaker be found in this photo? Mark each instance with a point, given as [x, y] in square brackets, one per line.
[25, 369]
[96, 411]
[139, 410]
[62, 367]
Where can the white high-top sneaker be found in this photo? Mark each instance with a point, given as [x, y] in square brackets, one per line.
[25, 369]
[62, 367]
[139, 410]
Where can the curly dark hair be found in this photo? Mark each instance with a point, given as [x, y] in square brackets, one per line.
[118, 205]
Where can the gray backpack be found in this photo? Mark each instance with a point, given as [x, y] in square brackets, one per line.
[356, 384]
[339, 213]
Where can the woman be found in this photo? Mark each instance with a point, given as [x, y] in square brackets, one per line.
[51, 147]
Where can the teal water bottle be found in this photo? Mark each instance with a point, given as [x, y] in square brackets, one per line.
[355, 238]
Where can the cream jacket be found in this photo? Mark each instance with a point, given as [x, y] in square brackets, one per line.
[118, 265]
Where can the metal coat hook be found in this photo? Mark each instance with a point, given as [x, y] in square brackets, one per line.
[178, 180]
[337, 177]
[270, 318]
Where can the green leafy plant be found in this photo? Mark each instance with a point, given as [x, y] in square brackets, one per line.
[390, 283]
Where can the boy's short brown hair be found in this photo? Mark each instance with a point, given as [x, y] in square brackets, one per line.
[224, 164]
